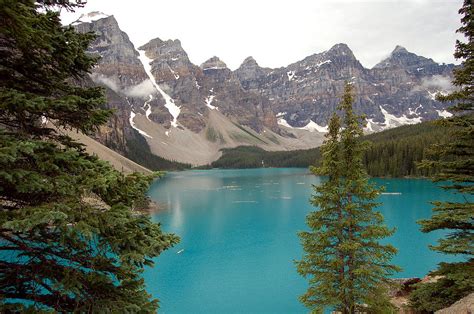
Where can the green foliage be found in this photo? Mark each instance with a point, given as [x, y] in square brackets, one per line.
[392, 153]
[396, 152]
[454, 161]
[252, 157]
[70, 237]
[454, 283]
[345, 263]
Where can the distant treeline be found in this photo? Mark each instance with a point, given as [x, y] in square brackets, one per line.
[392, 153]
[255, 157]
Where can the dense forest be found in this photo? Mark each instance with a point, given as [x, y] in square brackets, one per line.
[255, 157]
[391, 153]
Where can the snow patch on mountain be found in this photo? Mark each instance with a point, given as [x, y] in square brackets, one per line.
[392, 121]
[169, 102]
[415, 112]
[176, 75]
[323, 62]
[444, 113]
[132, 123]
[215, 68]
[290, 74]
[313, 126]
[282, 122]
[370, 126]
[209, 100]
[148, 107]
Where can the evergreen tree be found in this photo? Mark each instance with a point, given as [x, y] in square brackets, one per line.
[346, 264]
[70, 237]
[454, 161]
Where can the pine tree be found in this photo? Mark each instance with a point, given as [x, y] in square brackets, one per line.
[346, 264]
[454, 161]
[70, 237]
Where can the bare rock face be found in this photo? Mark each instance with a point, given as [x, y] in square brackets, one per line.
[250, 72]
[178, 78]
[122, 74]
[214, 64]
[118, 58]
[407, 84]
[158, 87]
[404, 85]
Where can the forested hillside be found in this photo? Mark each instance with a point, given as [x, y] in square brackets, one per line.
[395, 152]
[392, 153]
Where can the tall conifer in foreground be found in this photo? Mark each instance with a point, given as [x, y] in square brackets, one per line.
[346, 264]
[454, 161]
[70, 239]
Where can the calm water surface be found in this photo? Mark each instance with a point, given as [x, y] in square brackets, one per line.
[238, 237]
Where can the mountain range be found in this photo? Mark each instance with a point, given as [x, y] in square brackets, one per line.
[187, 113]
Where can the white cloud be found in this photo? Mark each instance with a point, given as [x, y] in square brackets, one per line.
[437, 82]
[104, 80]
[280, 32]
[142, 90]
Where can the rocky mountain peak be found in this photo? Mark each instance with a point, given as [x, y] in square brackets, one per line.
[169, 50]
[213, 63]
[339, 50]
[249, 72]
[400, 57]
[399, 50]
[154, 43]
[119, 66]
[249, 61]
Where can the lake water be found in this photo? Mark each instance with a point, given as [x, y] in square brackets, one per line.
[238, 237]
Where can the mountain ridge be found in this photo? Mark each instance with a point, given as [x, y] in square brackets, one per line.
[188, 112]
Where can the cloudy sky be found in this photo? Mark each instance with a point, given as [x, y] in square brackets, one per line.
[279, 32]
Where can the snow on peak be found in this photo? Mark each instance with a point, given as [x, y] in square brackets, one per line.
[169, 102]
[90, 17]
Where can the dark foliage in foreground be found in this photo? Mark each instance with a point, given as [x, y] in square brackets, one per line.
[70, 237]
[453, 161]
[344, 261]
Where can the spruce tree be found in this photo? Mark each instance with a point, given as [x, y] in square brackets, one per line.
[346, 264]
[454, 162]
[70, 237]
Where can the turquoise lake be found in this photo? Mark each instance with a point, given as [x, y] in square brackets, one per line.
[238, 232]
